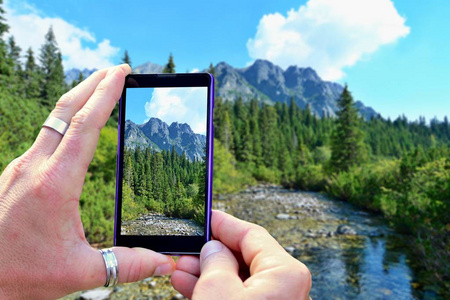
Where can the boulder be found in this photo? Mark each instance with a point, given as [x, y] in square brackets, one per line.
[345, 230]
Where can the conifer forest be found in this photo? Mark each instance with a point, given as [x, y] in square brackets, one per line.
[397, 168]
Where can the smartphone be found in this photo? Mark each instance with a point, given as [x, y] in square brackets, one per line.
[164, 162]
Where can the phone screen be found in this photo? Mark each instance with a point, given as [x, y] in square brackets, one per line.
[165, 163]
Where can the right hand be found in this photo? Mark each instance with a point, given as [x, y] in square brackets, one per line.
[244, 262]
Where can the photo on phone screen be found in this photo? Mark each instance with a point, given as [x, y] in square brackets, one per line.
[165, 164]
[164, 161]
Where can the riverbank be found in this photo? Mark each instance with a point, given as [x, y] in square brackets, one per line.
[160, 224]
[351, 253]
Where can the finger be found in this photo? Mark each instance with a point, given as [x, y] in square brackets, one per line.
[75, 152]
[219, 272]
[271, 267]
[134, 264]
[185, 277]
[246, 238]
[66, 107]
[189, 264]
[184, 282]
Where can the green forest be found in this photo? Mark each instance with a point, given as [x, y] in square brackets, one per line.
[397, 168]
[163, 182]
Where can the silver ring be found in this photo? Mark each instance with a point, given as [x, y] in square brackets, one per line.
[56, 124]
[112, 268]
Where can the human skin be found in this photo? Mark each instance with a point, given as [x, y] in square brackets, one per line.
[243, 262]
[43, 249]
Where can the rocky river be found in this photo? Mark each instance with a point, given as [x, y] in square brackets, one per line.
[159, 224]
[352, 254]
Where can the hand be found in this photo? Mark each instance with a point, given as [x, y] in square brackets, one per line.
[244, 262]
[43, 250]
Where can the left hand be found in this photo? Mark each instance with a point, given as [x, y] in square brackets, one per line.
[43, 249]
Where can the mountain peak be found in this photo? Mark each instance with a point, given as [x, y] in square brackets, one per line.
[158, 136]
[269, 83]
[148, 68]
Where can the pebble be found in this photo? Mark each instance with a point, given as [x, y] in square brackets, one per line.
[97, 294]
[290, 249]
[177, 297]
[283, 217]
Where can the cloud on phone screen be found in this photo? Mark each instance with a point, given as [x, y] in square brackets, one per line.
[182, 105]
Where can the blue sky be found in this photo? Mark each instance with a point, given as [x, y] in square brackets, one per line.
[393, 55]
[183, 105]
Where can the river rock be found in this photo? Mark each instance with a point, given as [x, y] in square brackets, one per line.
[97, 294]
[177, 297]
[345, 230]
[283, 217]
[290, 249]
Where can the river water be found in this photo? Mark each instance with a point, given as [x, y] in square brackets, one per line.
[351, 254]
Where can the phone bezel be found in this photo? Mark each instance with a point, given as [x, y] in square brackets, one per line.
[174, 245]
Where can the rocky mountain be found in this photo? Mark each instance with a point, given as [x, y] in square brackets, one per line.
[148, 68]
[159, 136]
[73, 74]
[270, 83]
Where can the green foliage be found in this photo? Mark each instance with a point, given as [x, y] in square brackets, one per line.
[310, 177]
[20, 122]
[170, 66]
[399, 168]
[104, 162]
[126, 58]
[31, 76]
[227, 179]
[164, 182]
[52, 70]
[347, 143]
[131, 208]
[97, 210]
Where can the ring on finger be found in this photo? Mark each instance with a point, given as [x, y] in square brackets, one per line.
[56, 124]
[112, 268]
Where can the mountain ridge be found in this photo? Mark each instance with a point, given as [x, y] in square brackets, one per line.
[159, 136]
[268, 83]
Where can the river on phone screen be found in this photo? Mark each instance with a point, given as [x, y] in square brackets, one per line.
[159, 224]
[352, 254]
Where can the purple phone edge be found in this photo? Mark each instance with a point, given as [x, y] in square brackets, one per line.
[210, 161]
[117, 174]
[210, 165]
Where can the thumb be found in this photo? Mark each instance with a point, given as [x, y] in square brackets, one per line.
[134, 264]
[219, 271]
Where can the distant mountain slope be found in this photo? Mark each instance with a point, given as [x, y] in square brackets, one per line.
[270, 83]
[157, 135]
[145, 68]
[148, 68]
[73, 74]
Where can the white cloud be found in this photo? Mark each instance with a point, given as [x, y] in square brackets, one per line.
[29, 26]
[182, 105]
[327, 35]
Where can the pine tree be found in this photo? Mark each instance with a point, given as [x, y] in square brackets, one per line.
[52, 70]
[5, 68]
[14, 55]
[126, 58]
[31, 76]
[170, 67]
[347, 144]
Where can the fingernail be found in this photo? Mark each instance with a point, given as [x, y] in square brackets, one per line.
[209, 248]
[165, 269]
